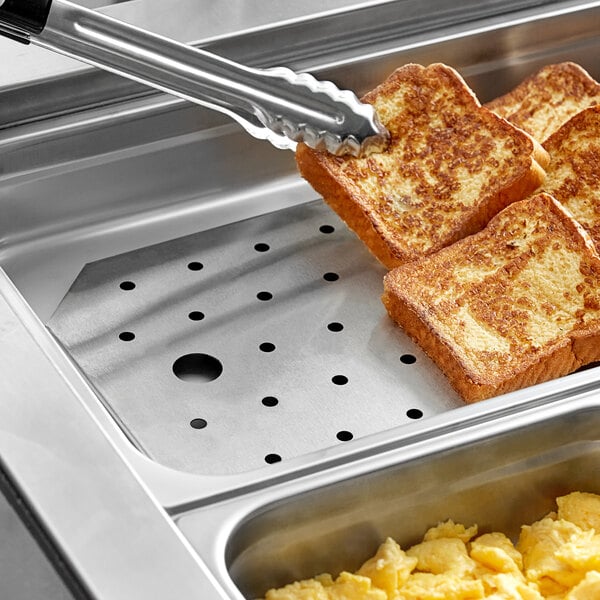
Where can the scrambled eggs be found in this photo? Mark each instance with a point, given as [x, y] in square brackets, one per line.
[557, 558]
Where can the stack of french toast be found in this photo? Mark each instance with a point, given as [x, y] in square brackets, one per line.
[488, 217]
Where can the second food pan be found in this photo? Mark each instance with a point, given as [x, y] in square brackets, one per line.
[498, 476]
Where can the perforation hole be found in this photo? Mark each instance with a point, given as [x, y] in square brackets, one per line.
[127, 336]
[414, 413]
[327, 229]
[196, 315]
[198, 423]
[267, 347]
[335, 326]
[264, 296]
[408, 359]
[270, 401]
[339, 379]
[127, 285]
[331, 276]
[195, 266]
[262, 247]
[272, 458]
[344, 436]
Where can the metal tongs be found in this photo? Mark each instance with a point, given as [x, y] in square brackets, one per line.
[275, 104]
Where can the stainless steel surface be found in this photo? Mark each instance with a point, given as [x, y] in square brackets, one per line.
[25, 571]
[99, 3]
[120, 543]
[260, 340]
[183, 20]
[37, 84]
[223, 188]
[80, 188]
[275, 104]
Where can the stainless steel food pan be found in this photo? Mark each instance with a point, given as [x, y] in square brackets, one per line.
[137, 216]
[259, 336]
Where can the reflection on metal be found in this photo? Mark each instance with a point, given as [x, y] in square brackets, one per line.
[98, 3]
[25, 571]
[275, 104]
[109, 528]
[37, 84]
[284, 307]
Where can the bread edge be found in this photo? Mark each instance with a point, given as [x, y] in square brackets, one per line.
[565, 356]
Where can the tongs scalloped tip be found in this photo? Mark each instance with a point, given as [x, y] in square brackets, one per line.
[350, 146]
[355, 128]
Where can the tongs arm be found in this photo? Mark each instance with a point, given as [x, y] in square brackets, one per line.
[275, 104]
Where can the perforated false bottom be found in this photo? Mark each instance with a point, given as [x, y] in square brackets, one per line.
[251, 343]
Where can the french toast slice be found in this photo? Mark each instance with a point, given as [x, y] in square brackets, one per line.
[547, 99]
[450, 166]
[513, 305]
[573, 175]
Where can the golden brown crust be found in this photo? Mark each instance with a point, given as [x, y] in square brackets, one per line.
[346, 203]
[574, 170]
[547, 99]
[450, 166]
[511, 306]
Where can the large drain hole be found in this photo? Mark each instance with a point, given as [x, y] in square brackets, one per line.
[197, 368]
